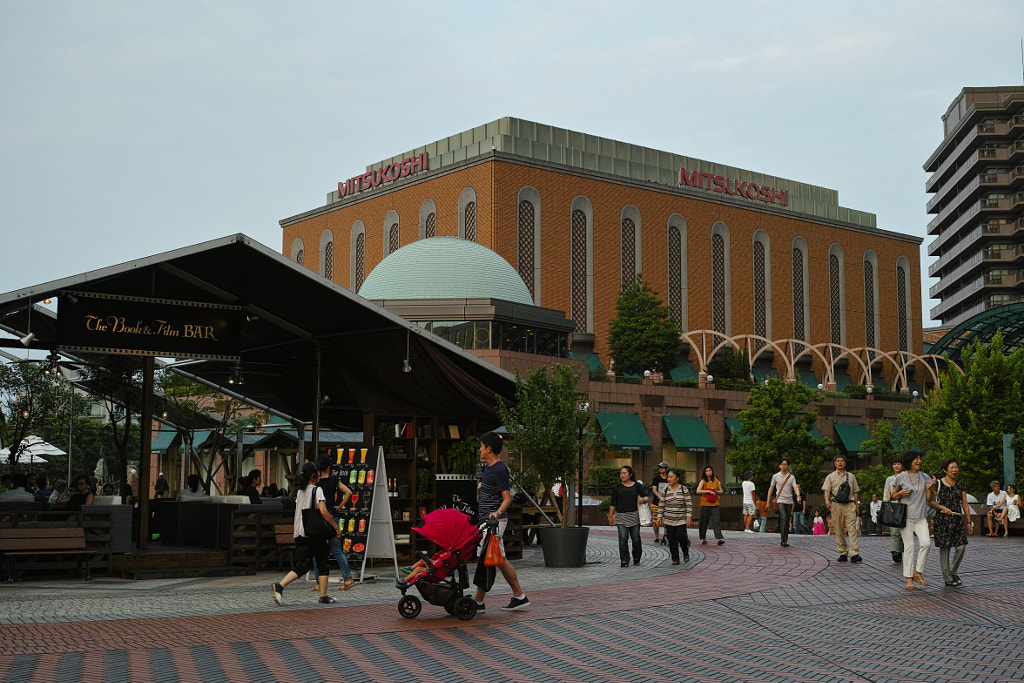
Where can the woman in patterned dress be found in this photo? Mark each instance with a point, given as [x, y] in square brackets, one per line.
[953, 522]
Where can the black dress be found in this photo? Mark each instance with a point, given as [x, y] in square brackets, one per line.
[950, 530]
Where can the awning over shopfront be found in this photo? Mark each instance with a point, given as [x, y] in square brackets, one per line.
[761, 373]
[851, 436]
[683, 372]
[735, 427]
[625, 431]
[164, 439]
[689, 433]
[592, 360]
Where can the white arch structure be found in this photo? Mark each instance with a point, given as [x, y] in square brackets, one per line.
[705, 344]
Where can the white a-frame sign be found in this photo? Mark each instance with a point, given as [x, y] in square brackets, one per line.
[380, 532]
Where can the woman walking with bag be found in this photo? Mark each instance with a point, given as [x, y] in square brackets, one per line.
[710, 489]
[308, 545]
[953, 521]
[910, 490]
[675, 514]
[626, 498]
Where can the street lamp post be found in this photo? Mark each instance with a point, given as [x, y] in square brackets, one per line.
[584, 407]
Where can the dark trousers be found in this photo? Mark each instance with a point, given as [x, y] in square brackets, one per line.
[785, 514]
[625, 534]
[710, 514]
[676, 536]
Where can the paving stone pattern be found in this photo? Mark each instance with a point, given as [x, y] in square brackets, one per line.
[744, 611]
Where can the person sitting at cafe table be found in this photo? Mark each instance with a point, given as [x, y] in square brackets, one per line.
[82, 495]
[60, 493]
[192, 490]
[16, 492]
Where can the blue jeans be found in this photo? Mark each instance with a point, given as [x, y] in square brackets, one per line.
[762, 525]
[799, 523]
[625, 534]
[334, 548]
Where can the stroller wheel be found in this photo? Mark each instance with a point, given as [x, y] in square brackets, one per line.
[409, 607]
[449, 606]
[465, 608]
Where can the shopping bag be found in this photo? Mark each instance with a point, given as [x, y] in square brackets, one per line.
[493, 556]
[644, 512]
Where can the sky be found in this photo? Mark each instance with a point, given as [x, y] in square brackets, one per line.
[132, 127]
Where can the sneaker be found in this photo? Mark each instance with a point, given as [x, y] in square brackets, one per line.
[842, 558]
[480, 607]
[278, 590]
[747, 531]
[856, 558]
[664, 541]
[327, 600]
[407, 569]
[624, 564]
[897, 557]
[400, 583]
[721, 541]
[516, 603]
[636, 562]
[786, 545]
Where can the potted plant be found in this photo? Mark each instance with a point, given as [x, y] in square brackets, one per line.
[386, 436]
[463, 458]
[550, 428]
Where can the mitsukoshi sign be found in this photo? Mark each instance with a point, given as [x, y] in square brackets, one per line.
[139, 326]
[720, 183]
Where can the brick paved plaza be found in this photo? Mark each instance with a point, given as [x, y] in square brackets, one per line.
[745, 611]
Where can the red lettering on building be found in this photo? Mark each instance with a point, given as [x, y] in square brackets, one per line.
[732, 186]
[386, 174]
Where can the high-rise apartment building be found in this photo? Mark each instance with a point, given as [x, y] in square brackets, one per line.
[977, 179]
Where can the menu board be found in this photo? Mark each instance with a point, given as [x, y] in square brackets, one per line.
[357, 469]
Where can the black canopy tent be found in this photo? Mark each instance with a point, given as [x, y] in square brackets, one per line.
[293, 321]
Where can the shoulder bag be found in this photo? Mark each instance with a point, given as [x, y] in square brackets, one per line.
[893, 514]
[313, 523]
[775, 503]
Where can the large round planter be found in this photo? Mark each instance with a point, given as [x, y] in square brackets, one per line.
[564, 547]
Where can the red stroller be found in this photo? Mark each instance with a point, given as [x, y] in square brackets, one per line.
[447, 576]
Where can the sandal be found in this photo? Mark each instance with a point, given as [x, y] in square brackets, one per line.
[920, 579]
[348, 584]
[910, 585]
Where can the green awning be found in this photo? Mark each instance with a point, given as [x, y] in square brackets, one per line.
[852, 436]
[761, 374]
[816, 434]
[689, 433]
[843, 380]
[683, 372]
[735, 427]
[879, 381]
[164, 439]
[808, 378]
[592, 359]
[625, 431]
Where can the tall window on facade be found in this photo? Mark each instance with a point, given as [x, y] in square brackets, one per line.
[834, 305]
[760, 294]
[675, 276]
[628, 247]
[869, 305]
[329, 261]
[525, 234]
[300, 257]
[718, 283]
[470, 217]
[902, 305]
[360, 259]
[579, 270]
[799, 324]
[432, 225]
[393, 242]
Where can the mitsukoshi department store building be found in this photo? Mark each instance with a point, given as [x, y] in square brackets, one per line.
[576, 215]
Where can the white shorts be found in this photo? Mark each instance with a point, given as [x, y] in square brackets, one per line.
[502, 523]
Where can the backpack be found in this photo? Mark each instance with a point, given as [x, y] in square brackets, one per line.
[843, 494]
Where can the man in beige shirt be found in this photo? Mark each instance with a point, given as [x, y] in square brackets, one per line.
[841, 489]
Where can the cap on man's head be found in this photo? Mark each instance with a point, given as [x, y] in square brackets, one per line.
[748, 474]
[161, 474]
[662, 464]
[492, 440]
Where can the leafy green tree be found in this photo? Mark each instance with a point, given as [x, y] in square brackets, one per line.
[966, 416]
[887, 443]
[778, 425]
[548, 427]
[49, 401]
[117, 381]
[643, 335]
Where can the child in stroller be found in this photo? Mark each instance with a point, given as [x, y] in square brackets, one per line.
[421, 567]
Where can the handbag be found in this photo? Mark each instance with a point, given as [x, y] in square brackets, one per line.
[894, 514]
[493, 556]
[313, 523]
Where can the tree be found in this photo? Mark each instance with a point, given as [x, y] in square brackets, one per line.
[887, 443]
[776, 426]
[117, 381]
[548, 427]
[48, 399]
[966, 416]
[643, 335]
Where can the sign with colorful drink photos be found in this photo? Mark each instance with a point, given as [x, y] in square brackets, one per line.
[356, 470]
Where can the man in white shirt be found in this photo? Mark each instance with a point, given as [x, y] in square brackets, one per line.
[749, 509]
[874, 509]
[784, 486]
[996, 502]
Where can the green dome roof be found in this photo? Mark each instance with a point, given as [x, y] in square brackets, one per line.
[445, 268]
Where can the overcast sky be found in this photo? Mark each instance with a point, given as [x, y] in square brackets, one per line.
[129, 128]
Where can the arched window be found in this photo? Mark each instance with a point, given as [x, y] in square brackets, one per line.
[903, 303]
[428, 219]
[581, 249]
[298, 251]
[871, 315]
[357, 256]
[721, 285]
[391, 232]
[677, 290]
[629, 245]
[762, 286]
[836, 295]
[801, 298]
[327, 254]
[467, 214]
[528, 241]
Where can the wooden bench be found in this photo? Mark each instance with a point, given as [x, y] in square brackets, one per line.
[40, 541]
[284, 533]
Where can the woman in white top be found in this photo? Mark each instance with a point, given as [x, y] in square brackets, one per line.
[306, 549]
[1012, 506]
[910, 490]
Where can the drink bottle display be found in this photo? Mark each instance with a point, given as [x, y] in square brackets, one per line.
[369, 477]
[362, 525]
[362, 477]
[351, 524]
[353, 476]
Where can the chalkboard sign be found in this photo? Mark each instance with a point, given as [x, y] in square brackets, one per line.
[455, 491]
[352, 468]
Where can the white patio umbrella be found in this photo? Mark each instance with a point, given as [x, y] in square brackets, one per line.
[33, 448]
